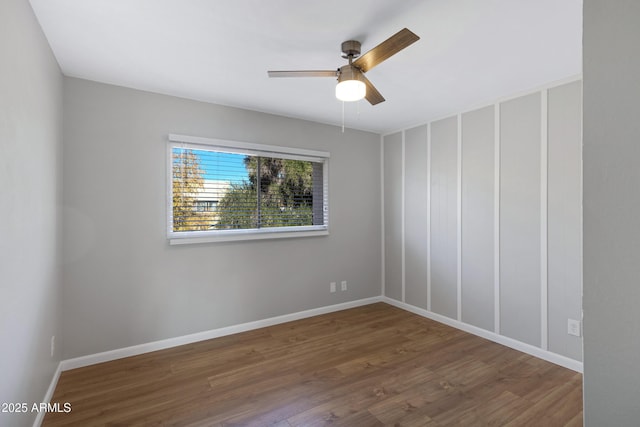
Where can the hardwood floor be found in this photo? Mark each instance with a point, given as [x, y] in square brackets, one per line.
[370, 366]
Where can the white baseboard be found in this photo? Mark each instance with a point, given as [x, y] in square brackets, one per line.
[135, 350]
[107, 356]
[48, 395]
[492, 336]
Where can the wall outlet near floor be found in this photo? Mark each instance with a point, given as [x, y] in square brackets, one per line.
[53, 345]
[332, 287]
[343, 285]
[573, 327]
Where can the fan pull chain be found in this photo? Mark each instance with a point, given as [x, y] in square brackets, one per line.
[342, 116]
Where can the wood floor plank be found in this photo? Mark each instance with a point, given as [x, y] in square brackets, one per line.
[367, 366]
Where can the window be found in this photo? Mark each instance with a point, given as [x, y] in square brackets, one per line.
[224, 190]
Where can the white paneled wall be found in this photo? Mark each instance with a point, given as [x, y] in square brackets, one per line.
[482, 220]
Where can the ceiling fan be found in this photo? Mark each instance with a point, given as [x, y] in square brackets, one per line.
[352, 84]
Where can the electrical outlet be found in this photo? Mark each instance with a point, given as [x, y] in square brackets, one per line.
[332, 287]
[573, 327]
[343, 285]
[53, 345]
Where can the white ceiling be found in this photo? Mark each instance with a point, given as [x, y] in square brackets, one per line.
[471, 52]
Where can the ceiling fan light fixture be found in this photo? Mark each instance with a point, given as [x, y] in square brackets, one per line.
[350, 85]
[351, 90]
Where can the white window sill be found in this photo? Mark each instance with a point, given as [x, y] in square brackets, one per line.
[194, 237]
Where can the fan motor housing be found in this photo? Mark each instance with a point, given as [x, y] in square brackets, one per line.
[350, 48]
[349, 72]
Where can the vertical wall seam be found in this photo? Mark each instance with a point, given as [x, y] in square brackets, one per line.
[383, 271]
[544, 175]
[459, 217]
[429, 216]
[496, 218]
[402, 221]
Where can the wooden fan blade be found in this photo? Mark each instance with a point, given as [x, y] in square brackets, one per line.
[386, 49]
[304, 73]
[373, 96]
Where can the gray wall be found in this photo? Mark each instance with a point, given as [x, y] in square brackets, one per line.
[30, 165]
[415, 217]
[522, 279]
[443, 210]
[478, 200]
[611, 219]
[124, 284]
[393, 216]
[520, 217]
[564, 235]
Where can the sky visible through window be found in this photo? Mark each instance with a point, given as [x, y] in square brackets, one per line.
[219, 166]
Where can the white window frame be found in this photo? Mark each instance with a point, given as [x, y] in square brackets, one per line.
[201, 143]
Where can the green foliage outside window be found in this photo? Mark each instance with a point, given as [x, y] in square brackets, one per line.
[278, 193]
[284, 188]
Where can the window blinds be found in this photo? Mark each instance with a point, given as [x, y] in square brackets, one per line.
[221, 189]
